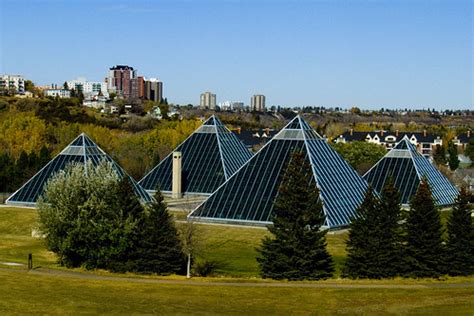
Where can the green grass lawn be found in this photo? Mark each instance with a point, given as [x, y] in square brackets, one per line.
[16, 242]
[234, 249]
[40, 294]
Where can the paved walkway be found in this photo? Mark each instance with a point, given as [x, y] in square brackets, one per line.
[87, 276]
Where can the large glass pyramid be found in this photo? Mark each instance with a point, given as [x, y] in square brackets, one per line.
[407, 167]
[210, 156]
[248, 196]
[79, 150]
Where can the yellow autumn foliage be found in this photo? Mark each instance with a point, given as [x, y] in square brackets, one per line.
[22, 132]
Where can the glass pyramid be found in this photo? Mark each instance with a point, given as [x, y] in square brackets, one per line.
[407, 167]
[248, 196]
[79, 150]
[210, 156]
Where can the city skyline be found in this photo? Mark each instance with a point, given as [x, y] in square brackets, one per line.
[296, 53]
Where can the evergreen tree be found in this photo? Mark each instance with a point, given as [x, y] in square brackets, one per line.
[297, 249]
[6, 176]
[439, 155]
[158, 248]
[453, 156]
[127, 232]
[363, 239]
[460, 243]
[423, 245]
[43, 158]
[374, 245]
[21, 170]
[390, 248]
[32, 165]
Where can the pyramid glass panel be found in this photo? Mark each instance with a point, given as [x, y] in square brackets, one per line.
[406, 166]
[248, 196]
[80, 150]
[209, 157]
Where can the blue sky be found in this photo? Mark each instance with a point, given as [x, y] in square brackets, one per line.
[323, 53]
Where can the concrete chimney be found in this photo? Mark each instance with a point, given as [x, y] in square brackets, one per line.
[424, 133]
[177, 176]
[239, 129]
[396, 133]
[468, 133]
[351, 131]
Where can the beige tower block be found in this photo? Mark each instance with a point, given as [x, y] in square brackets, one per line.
[177, 176]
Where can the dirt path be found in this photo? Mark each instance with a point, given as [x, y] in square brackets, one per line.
[79, 275]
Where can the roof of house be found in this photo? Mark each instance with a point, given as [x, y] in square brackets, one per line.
[465, 137]
[361, 136]
[250, 138]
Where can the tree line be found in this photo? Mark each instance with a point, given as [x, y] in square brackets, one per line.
[93, 219]
[383, 241]
[15, 172]
[28, 125]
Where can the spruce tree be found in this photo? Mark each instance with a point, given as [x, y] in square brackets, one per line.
[21, 169]
[126, 232]
[460, 243]
[297, 249]
[423, 244]
[390, 247]
[453, 156]
[374, 245]
[43, 158]
[439, 155]
[363, 239]
[158, 249]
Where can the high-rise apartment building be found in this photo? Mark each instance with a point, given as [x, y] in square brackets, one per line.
[257, 103]
[14, 83]
[208, 101]
[119, 80]
[153, 90]
[137, 88]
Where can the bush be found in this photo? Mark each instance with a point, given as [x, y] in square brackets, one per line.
[205, 268]
[95, 220]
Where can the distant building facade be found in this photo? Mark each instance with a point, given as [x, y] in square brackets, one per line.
[62, 93]
[225, 106]
[208, 101]
[119, 80]
[137, 88]
[463, 139]
[257, 103]
[238, 106]
[153, 89]
[424, 142]
[15, 83]
[88, 88]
